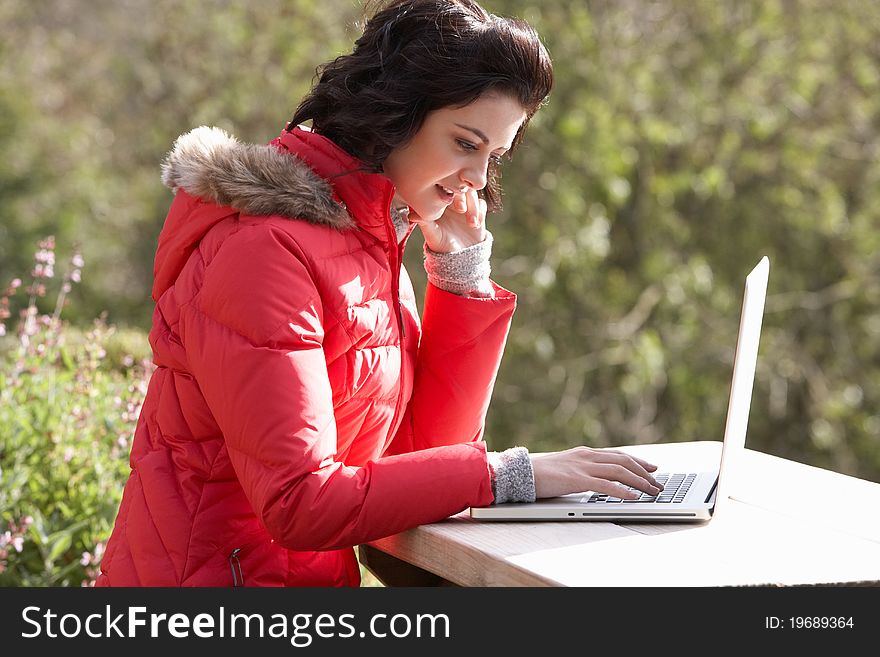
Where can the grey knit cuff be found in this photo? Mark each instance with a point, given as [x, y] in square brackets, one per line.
[464, 272]
[513, 479]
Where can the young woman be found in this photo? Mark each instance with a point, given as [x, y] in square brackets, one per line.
[300, 407]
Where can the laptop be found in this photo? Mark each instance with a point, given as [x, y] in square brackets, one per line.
[687, 496]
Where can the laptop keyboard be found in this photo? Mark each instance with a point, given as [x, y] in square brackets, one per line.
[675, 487]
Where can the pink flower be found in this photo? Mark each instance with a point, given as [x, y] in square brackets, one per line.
[45, 256]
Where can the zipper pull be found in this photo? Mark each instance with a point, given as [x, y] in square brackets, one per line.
[235, 565]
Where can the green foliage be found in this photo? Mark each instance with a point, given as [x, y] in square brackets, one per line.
[92, 96]
[67, 415]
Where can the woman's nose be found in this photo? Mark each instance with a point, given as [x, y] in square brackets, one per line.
[474, 177]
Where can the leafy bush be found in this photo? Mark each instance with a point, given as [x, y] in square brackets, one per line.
[67, 414]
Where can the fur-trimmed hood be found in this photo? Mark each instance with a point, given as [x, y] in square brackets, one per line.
[257, 179]
[300, 175]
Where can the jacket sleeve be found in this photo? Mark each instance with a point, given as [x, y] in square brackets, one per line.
[460, 350]
[253, 338]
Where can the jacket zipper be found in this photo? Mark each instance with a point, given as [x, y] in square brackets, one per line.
[400, 319]
[235, 566]
[396, 299]
[396, 291]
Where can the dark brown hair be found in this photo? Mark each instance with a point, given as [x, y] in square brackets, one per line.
[416, 56]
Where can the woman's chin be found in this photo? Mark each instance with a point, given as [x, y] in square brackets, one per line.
[431, 214]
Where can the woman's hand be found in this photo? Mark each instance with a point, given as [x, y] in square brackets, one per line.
[584, 468]
[461, 225]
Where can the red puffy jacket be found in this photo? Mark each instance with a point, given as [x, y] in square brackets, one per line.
[298, 408]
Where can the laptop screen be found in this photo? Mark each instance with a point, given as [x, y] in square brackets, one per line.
[744, 364]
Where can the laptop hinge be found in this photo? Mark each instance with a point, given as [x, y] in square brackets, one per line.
[711, 496]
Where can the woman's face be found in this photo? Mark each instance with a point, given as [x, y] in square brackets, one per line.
[450, 153]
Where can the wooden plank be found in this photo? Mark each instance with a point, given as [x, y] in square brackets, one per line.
[392, 571]
[471, 553]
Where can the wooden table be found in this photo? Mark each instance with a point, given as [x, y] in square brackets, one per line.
[785, 524]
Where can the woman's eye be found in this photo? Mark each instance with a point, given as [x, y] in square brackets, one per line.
[468, 146]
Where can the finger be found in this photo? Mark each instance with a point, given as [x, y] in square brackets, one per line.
[460, 204]
[474, 214]
[615, 472]
[650, 467]
[483, 211]
[637, 465]
[611, 488]
[430, 231]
